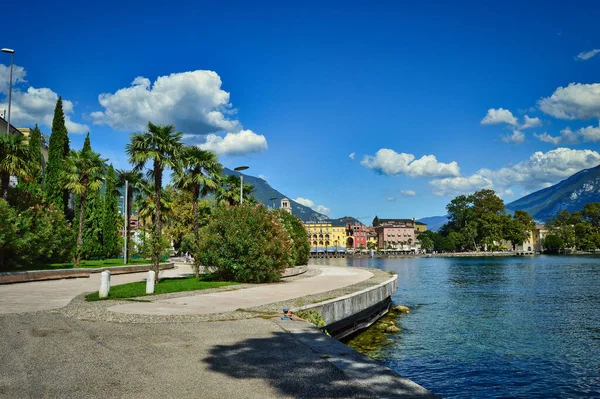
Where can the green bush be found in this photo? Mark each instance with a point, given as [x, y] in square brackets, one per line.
[299, 237]
[245, 243]
[36, 235]
[553, 243]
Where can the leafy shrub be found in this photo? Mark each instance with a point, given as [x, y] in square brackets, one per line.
[299, 237]
[245, 243]
[553, 243]
[36, 235]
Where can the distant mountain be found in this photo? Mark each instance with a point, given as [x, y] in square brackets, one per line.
[570, 194]
[263, 192]
[434, 223]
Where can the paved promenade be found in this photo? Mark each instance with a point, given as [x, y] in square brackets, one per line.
[47, 354]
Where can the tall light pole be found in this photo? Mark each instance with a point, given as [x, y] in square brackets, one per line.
[125, 235]
[239, 169]
[12, 56]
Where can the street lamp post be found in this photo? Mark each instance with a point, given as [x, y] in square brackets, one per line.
[12, 56]
[239, 169]
[126, 225]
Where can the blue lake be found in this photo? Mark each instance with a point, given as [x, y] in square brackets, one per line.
[502, 327]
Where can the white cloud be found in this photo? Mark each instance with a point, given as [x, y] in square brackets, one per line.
[500, 115]
[352, 156]
[568, 136]
[530, 122]
[453, 186]
[265, 178]
[391, 199]
[305, 202]
[408, 193]
[543, 169]
[389, 162]
[509, 192]
[586, 55]
[516, 137]
[576, 101]
[192, 101]
[323, 209]
[243, 142]
[34, 105]
[311, 204]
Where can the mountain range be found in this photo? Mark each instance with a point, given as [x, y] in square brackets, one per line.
[570, 194]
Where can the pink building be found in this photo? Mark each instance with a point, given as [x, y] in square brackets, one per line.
[396, 234]
[356, 236]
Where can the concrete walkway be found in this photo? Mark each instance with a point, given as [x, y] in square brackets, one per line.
[331, 278]
[47, 295]
[54, 294]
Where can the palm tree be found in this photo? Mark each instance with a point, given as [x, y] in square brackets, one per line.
[133, 180]
[15, 160]
[83, 175]
[162, 146]
[200, 175]
[229, 191]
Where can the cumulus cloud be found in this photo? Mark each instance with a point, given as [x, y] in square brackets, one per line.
[500, 115]
[543, 169]
[319, 208]
[193, 102]
[568, 136]
[352, 156]
[323, 209]
[305, 202]
[243, 142]
[391, 199]
[586, 55]
[508, 192]
[576, 101]
[516, 137]
[35, 105]
[407, 193]
[389, 162]
[530, 122]
[452, 186]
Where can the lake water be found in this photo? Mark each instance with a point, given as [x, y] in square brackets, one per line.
[502, 327]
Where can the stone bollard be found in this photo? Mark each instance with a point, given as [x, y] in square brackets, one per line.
[150, 282]
[104, 284]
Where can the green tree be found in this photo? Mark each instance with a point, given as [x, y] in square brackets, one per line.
[426, 241]
[162, 146]
[15, 160]
[199, 175]
[229, 191]
[300, 246]
[553, 243]
[563, 225]
[132, 179]
[83, 175]
[54, 189]
[34, 185]
[111, 221]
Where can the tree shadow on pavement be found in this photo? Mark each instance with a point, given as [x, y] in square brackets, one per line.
[303, 371]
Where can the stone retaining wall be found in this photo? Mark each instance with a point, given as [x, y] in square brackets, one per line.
[41, 275]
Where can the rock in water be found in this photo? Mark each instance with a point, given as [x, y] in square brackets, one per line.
[402, 309]
[392, 329]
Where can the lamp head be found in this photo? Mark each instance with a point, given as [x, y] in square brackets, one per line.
[8, 50]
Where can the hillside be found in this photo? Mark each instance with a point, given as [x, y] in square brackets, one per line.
[263, 192]
[434, 223]
[570, 194]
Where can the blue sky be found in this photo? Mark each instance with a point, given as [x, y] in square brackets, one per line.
[429, 97]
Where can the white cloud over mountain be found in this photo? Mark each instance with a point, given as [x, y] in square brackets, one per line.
[576, 101]
[309, 203]
[452, 186]
[389, 162]
[35, 105]
[193, 102]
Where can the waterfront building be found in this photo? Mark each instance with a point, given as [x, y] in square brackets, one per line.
[396, 234]
[326, 236]
[538, 237]
[420, 228]
[356, 236]
[372, 239]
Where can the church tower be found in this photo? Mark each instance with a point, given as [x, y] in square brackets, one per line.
[286, 205]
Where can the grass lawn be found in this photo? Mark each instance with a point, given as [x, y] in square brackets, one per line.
[132, 290]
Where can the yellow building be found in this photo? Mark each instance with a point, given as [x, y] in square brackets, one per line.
[25, 131]
[420, 228]
[326, 236]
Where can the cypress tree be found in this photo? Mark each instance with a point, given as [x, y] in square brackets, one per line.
[54, 191]
[110, 224]
[87, 145]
